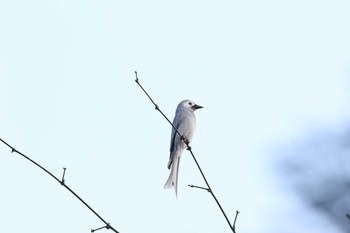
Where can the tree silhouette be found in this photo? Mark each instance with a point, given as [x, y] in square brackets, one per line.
[319, 169]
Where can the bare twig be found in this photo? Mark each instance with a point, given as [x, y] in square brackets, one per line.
[198, 187]
[62, 182]
[234, 222]
[157, 108]
[210, 190]
[232, 227]
[100, 228]
[64, 173]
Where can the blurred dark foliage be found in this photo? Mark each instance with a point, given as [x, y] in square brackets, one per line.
[319, 169]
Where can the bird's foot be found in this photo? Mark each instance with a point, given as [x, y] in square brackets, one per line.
[185, 140]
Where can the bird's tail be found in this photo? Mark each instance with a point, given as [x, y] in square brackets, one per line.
[174, 172]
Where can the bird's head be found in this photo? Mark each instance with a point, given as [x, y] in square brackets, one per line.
[188, 104]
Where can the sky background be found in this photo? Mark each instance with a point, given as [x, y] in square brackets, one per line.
[268, 73]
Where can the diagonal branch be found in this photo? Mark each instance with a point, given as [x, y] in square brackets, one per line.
[157, 108]
[211, 191]
[232, 227]
[108, 226]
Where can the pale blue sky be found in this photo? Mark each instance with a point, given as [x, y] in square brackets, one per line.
[266, 72]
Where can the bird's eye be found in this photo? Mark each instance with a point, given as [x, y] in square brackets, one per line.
[190, 103]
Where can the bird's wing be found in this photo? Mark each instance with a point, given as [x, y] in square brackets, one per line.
[176, 122]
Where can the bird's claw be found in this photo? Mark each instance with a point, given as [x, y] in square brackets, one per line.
[185, 140]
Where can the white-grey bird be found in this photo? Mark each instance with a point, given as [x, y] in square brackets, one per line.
[185, 123]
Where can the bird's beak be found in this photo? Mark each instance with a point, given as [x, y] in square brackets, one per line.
[197, 107]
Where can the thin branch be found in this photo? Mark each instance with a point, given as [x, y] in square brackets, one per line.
[211, 191]
[64, 173]
[157, 108]
[100, 228]
[194, 158]
[234, 222]
[62, 182]
[198, 187]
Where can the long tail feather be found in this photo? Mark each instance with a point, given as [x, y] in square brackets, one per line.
[173, 176]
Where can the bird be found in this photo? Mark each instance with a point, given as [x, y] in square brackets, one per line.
[185, 124]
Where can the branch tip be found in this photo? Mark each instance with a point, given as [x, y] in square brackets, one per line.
[199, 187]
[234, 222]
[108, 226]
[64, 173]
[137, 79]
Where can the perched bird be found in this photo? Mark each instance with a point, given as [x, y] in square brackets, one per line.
[185, 123]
